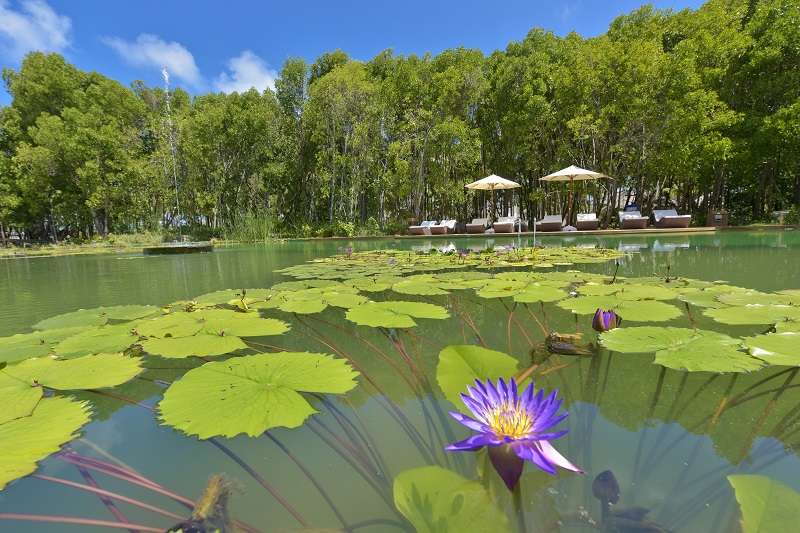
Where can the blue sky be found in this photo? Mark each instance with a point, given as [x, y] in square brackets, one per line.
[232, 45]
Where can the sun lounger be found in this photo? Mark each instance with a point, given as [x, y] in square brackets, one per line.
[632, 220]
[506, 225]
[446, 226]
[478, 225]
[587, 221]
[669, 218]
[550, 223]
[422, 229]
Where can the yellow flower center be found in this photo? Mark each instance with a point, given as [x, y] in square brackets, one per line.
[507, 420]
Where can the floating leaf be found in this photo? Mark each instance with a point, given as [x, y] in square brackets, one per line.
[460, 365]
[754, 314]
[26, 441]
[500, 288]
[708, 354]
[102, 339]
[127, 312]
[177, 324]
[631, 311]
[755, 298]
[644, 339]
[81, 317]
[88, 372]
[22, 346]
[227, 322]
[252, 394]
[343, 299]
[225, 296]
[787, 327]
[633, 291]
[767, 506]
[419, 287]
[536, 292]
[199, 345]
[18, 398]
[776, 348]
[303, 307]
[394, 314]
[436, 500]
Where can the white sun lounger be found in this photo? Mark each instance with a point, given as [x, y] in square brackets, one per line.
[422, 229]
[669, 218]
[632, 220]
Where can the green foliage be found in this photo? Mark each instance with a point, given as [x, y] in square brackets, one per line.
[460, 365]
[767, 506]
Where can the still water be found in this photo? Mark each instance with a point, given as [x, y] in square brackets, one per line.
[670, 438]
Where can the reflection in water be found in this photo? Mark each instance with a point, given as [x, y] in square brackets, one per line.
[657, 445]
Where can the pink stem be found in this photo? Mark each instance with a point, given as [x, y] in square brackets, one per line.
[60, 519]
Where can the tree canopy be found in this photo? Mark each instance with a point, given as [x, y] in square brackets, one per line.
[699, 109]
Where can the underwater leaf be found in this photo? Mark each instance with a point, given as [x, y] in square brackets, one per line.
[81, 317]
[708, 354]
[88, 372]
[776, 348]
[436, 500]
[102, 339]
[252, 394]
[26, 441]
[767, 506]
[460, 365]
[177, 324]
[17, 398]
[754, 314]
[227, 322]
[127, 312]
[199, 345]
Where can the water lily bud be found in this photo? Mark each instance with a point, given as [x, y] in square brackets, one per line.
[605, 320]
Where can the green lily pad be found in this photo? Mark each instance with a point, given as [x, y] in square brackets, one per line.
[88, 372]
[343, 299]
[631, 311]
[27, 440]
[127, 312]
[225, 296]
[22, 346]
[460, 365]
[176, 324]
[500, 288]
[252, 394]
[17, 397]
[787, 327]
[595, 289]
[776, 348]
[643, 339]
[633, 291]
[420, 288]
[767, 506]
[303, 307]
[754, 298]
[102, 339]
[754, 314]
[394, 314]
[436, 500]
[536, 292]
[81, 317]
[701, 298]
[200, 345]
[708, 354]
[227, 322]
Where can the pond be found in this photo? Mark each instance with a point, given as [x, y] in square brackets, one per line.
[661, 447]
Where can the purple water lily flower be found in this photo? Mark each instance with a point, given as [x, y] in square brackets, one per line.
[514, 427]
[605, 320]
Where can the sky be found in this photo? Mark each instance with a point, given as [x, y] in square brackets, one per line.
[233, 45]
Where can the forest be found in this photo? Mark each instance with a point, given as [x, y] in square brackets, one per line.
[699, 109]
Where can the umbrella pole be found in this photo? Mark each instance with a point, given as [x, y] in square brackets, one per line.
[571, 200]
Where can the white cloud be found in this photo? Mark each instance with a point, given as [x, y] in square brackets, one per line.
[247, 70]
[32, 26]
[152, 51]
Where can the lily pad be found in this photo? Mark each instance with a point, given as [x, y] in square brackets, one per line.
[177, 324]
[17, 397]
[27, 440]
[199, 345]
[127, 312]
[252, 394]
[645, 339]
[776, 348]
[436, 500]
[398, 314]
[754, 314]
[227, 322]
[22, 346]
[460, 365]
[755, 298]
[225, 296]
[536, 292]
[708, 354]
[103, 339]
[303, 307]
[631, 311]
[81, 317]
[88, 372]
[767, 506]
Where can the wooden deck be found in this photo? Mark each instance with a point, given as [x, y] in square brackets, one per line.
[611, 232]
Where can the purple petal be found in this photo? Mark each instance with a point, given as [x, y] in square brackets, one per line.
[469, 422]
[507, 464]
[475, 442]
[514, 391]
[552, 455]
[551, 436]
[528, 451]
[478, 409]
[548, 423]
[502, 390]
[492, 393]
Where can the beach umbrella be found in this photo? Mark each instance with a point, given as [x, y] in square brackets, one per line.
[573, 174]
[492, 183]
